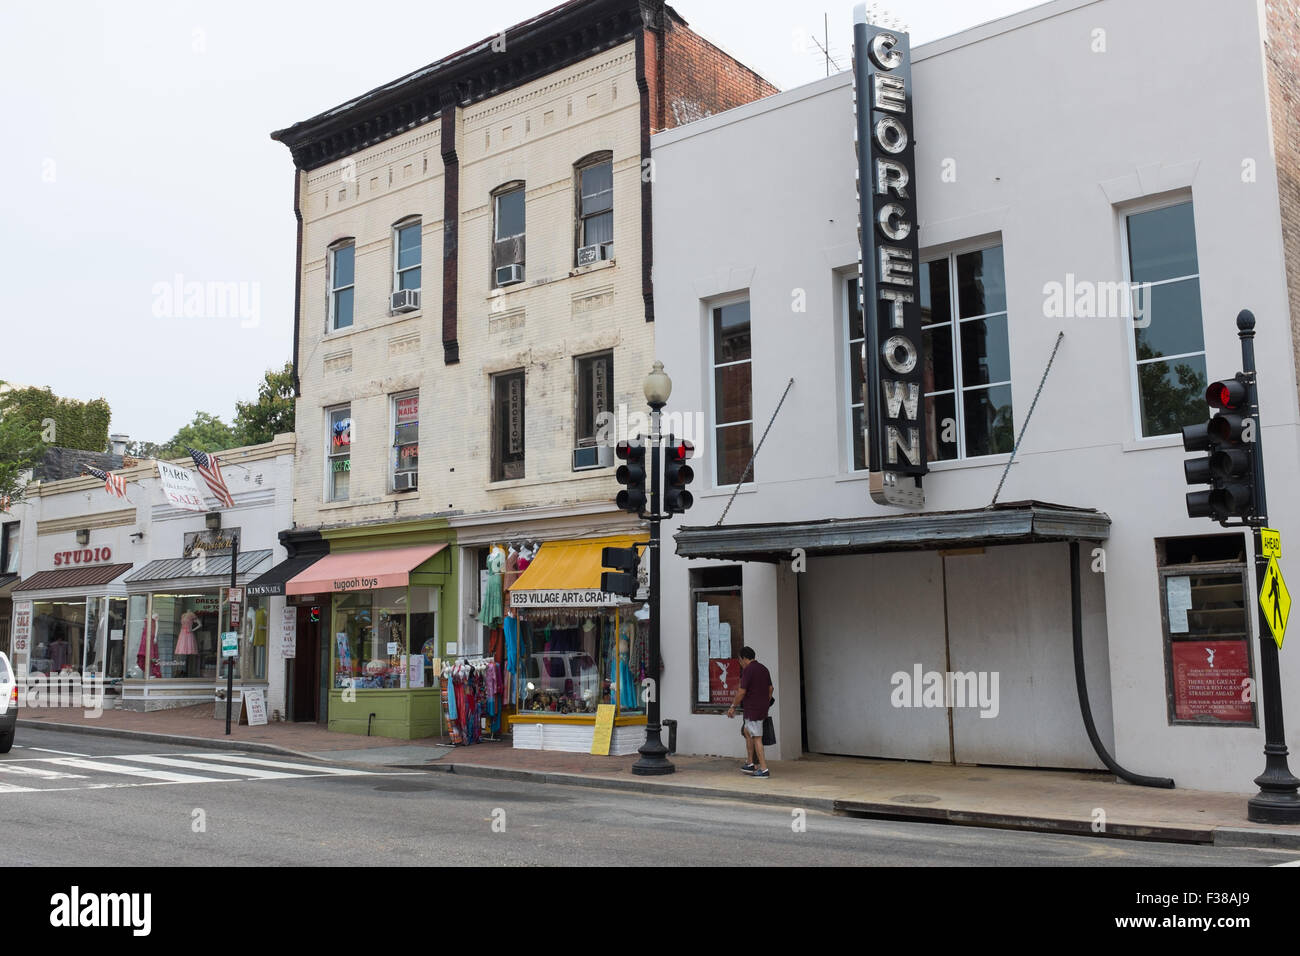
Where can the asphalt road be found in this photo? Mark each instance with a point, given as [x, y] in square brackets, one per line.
[73, 800]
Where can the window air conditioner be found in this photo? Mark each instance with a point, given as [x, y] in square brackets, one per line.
[592, 456]
[405, 481]
[406, 300]
[588, 254]
[607, 250]
[509, 275]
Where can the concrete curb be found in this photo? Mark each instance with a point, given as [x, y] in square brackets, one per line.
[1225, 836]
[148, 736]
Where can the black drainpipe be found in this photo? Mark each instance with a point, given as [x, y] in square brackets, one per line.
[1080, 679]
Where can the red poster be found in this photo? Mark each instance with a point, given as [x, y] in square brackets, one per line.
[724, 679]
[1210, 681]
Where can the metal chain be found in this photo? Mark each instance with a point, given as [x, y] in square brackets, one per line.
[750, 466]
[1041, 382]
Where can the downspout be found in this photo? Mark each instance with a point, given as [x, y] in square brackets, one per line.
[1081, 680]
[297, 279]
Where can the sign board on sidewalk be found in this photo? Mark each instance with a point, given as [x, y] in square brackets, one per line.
[289, 632]
[229, 644]
[256, 705]
[603, 732]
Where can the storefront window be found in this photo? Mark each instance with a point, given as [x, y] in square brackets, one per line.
[188, 635]
[574, 661]
[718, 633]
[105, 631]
[253, 633]
[58, 633]
[137, 636]
[370, 638]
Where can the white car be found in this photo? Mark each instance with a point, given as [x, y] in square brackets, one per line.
[8, 705]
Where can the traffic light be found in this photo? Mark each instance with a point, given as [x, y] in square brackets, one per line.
[622, 579]
[631, 474]
[677, 475]
[1229, 465]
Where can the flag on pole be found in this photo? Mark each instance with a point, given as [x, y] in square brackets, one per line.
[211, 471]
[113, 484]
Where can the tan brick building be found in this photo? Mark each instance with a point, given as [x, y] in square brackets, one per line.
[473, 290]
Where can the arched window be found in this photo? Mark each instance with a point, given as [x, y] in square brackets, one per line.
[594, 196]
[341, 278]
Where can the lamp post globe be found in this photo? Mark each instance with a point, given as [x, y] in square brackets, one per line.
[658, 386]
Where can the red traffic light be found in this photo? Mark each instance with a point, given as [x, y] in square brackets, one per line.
[1229, 394]
[629, 451]
[680, 450]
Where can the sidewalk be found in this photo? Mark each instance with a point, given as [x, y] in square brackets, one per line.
[1040, 800]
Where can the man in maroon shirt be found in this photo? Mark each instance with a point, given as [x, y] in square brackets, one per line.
[753, 698]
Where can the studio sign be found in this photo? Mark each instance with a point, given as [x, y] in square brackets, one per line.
[890, 262]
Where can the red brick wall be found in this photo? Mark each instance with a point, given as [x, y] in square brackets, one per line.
[698, 79]
[1282, 50]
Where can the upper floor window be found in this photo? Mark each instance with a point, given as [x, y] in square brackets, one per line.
[508, 235]
[733, 411]
[508, 425]
[966, 378]
[339, 459]
[342, 280]
[9, 547]
[596, 209]
[406, 255]
[595, 387]
[1168, 338]
[406, 441]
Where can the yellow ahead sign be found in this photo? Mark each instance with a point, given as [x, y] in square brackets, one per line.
[1275, 599]
[1270, 543]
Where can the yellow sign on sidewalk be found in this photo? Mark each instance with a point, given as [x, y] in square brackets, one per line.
[604, 729]
[1275, 599]
[1270, 543]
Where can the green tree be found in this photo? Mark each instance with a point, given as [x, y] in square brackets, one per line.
[20, 449]
[206, 433]
[65, 422]
[272, 413]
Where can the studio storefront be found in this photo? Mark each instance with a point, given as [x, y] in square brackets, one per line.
[176, 616]
[572, 648]
[71, 621]
[385, 608]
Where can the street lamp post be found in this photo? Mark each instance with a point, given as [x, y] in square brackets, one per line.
[654, 755]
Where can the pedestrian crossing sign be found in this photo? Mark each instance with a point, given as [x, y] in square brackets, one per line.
[1275, 600]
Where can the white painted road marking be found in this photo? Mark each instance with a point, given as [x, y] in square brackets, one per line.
[46, 750]
[165, 775]
[211, 766]
[14, 788]
[24, 770]
[313, 768]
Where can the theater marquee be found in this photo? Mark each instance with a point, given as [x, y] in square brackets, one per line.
[889, 264]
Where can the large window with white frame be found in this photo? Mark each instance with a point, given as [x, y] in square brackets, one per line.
[966, 377]
[406, 255]
[508, 227]
[733, 401]
[1168, 339]
[595, 200]
[342, 282]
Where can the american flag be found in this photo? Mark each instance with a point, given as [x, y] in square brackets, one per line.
[211, 472]
[113, 484]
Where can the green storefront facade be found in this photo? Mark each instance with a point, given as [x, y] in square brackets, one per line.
[383, 640]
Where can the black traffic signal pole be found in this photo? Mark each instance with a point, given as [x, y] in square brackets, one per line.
[1278, 800]
[654, 755]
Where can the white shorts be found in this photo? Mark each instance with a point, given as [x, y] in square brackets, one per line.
[755, 729]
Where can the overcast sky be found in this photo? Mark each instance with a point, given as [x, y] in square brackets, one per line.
[138, 154]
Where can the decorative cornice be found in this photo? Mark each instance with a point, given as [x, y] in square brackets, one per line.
[94, 522]
[525, 52]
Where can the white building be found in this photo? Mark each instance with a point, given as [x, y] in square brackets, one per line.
[127, 590]
[1058, 151]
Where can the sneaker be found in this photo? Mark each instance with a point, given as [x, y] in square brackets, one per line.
[748, 768]
[762, 773]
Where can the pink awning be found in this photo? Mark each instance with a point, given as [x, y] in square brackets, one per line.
[362, 570]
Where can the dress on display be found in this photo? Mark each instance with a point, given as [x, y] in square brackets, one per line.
[185, 644]
[492, 612]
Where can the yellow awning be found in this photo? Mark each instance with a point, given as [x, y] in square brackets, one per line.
[567, 574]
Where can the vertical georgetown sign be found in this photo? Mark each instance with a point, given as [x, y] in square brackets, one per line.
[889, 265]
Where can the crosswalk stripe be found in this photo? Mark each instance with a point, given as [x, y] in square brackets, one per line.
[14, 788]
[206, 765]
[314, 768]
[163, 775]
[42, 772]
